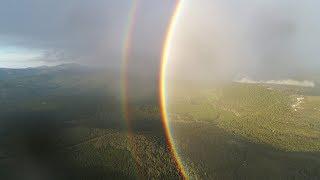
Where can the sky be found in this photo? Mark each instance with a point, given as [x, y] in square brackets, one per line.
[49, 32]
[261, 39]
[213, 37]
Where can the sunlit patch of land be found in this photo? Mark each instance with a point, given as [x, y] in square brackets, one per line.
[283, 117]
[249, 130]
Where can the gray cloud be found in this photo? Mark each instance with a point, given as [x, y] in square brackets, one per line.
[84, 31]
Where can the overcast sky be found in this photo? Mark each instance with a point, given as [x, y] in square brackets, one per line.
[45, 32]
[260, 38]
[254, 36]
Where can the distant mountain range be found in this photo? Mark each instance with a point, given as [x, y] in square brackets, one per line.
[72, 78]
[70, 67]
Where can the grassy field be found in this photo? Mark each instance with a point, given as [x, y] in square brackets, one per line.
[269, 131]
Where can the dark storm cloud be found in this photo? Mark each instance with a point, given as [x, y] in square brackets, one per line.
[81, 30]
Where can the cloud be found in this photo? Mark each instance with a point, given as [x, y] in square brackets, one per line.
[83, 31]
[291, 82]
[266, 39]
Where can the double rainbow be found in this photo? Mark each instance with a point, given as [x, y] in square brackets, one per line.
[127, 47]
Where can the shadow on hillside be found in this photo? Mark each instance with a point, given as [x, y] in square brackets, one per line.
[31, 149]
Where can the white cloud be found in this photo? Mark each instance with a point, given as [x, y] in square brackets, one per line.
[291, 82]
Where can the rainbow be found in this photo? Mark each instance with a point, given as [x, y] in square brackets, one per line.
[162, 86]
[127, 47]
[126, 54]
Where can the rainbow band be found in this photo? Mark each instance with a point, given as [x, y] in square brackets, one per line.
[126, 54]
[127, 47]
[162, 86]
